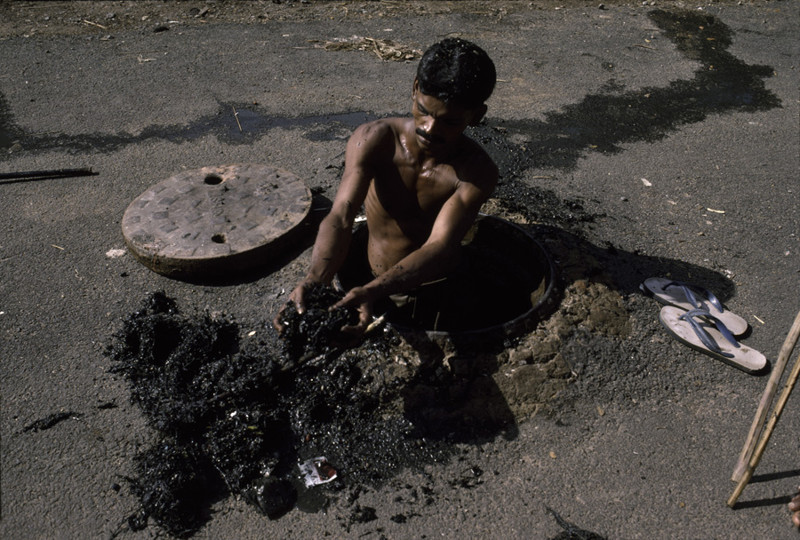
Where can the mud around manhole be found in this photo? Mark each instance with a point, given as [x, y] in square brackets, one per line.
[216, 221]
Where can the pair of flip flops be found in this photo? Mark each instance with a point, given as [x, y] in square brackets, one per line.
[695, 317]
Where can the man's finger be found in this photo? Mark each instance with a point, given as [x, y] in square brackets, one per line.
[344, 302]
[298, 301]
[354, 329]
[276, 323]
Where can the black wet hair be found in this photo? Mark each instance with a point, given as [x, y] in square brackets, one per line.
[457, 71]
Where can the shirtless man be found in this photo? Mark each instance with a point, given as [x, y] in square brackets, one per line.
[421, 181]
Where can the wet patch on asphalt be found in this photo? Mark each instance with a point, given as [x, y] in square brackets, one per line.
[9, 132]
[605, 121]
[50, 420]
[233, 123]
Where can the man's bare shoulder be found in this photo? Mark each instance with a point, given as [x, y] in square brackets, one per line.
[375, 141]
[476, 165]
[380, 129]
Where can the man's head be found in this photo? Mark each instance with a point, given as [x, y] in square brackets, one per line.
[454, 79]
[457, 72]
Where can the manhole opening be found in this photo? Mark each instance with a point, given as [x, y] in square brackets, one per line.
[218, 238]
[505, 278]
[213, 179]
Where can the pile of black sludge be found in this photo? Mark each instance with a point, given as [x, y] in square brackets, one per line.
[232, 419]
[317, 331]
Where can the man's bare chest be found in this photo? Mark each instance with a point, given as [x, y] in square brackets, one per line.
[407, 188]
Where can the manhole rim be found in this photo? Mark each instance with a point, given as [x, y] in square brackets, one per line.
[509, 327]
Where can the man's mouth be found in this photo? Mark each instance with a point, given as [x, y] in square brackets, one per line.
[428, 138]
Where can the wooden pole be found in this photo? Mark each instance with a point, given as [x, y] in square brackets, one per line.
[762, 444]
[766, 400]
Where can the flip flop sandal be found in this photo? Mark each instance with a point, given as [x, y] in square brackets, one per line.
[689, 297]
[704, 332]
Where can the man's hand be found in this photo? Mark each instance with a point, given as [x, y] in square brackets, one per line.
[296, 297]
[358, 298]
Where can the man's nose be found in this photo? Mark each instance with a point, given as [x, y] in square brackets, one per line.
[430, 126]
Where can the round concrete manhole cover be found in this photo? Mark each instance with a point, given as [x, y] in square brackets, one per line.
[215, 221]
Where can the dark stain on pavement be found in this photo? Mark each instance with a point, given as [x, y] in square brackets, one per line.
[9, 132]
[232, 124]
[600, 122]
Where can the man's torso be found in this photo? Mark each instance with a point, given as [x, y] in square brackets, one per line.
[406, 195]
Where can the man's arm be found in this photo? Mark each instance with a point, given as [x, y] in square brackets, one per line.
[364, 149]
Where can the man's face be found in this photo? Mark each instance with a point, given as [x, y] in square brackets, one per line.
[438, 124]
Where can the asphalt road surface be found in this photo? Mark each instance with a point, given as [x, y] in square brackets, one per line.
[659, 138]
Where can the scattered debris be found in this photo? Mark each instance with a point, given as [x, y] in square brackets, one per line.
[91, 23]
[273, 497]
[571, 532]
[469, 478]
[316, 471]
[236, 116]
[360, 514]
[385, 49]
[46, 174]
[115, 253]
[172, 483]
[316, 332]
[50, 420]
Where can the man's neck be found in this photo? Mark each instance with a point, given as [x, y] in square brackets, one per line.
[430, 156]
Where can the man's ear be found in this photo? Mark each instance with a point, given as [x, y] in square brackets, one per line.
[415, 88]
[477, 114]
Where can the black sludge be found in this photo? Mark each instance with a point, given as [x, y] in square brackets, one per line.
[235, 416]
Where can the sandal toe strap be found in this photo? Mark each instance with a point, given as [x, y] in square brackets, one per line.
[702, 334]
[692, 297]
